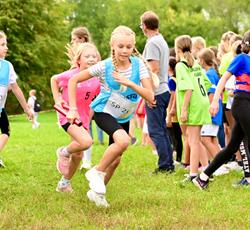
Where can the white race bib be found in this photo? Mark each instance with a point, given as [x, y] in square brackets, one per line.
[3, 95]
[119, 106]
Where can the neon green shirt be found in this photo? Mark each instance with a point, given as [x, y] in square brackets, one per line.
[195, 79]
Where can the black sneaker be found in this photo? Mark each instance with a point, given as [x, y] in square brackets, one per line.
[163, 170]
[201, 184]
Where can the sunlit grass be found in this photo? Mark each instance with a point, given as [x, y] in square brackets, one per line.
[138, 199]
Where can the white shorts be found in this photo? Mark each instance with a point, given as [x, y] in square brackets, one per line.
[145, 126]
[210, 130]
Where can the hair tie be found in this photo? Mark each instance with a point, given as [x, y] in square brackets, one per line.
[186, 49]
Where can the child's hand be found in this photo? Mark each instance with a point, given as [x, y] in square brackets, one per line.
[184, 116]
[30, 114]
[72, 115]
[121, 79]
[214, 108]
[60, 102]
[169, 122]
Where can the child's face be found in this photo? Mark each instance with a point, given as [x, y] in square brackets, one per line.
[3, 47]
[123, 46]
[88, 58]
[75, 39]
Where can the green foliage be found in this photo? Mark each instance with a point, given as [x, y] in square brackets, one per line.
[37, 34]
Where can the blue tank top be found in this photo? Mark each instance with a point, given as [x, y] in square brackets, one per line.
[120, 104]
[4, 81]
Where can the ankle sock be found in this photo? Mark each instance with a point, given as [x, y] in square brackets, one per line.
[64, 182]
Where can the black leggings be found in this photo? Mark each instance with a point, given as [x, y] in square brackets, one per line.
[175, 134]
[4, 123]
[239, 133]
[109, 124]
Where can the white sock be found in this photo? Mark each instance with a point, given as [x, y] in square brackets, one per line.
[64, 182]
[204, 177]
[87, 154]
[193, 174]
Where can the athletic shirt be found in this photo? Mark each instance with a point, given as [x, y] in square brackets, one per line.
[7, 76]
[85, 92]
[240, 68]
[194, 79]
[214, 79]
[112, 99]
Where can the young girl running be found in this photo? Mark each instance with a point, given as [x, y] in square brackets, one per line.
[192, 101]
[240, 68]
[8, 79]
[70, 156]
[121, 78]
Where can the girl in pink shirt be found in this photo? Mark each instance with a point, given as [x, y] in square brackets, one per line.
[70, 156]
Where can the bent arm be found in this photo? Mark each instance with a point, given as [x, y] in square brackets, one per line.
[79, 77]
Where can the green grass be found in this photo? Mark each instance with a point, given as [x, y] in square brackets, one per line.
[138, 199]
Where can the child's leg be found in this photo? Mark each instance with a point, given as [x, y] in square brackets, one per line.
[121, 142]
[196, 149]
[74, 162]
[186, 145]
[111, 169]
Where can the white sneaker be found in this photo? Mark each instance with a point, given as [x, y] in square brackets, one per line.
[96, 180]
[85, 165]
[221, 171]
[2, 164]
[233, 165]
[99, 199]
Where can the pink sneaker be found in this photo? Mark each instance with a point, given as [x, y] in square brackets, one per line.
[66, 189]
[62, 163]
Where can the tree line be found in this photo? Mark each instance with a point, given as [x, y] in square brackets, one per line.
[38, 31]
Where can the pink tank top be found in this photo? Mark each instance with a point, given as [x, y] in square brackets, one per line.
[86, 91]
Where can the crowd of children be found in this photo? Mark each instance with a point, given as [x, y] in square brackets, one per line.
[203, 94]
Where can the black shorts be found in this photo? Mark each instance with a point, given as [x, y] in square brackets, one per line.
[4, 123]
[109, 124]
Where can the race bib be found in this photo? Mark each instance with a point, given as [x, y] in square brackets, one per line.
[3, 95]
[119, 106]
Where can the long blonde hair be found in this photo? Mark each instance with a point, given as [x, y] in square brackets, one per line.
[126, 31]
[184, 44]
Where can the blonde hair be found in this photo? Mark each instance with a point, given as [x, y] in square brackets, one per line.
[124, 30]
[184, 44]
[2, 34]
[198, 42]
[32, 92]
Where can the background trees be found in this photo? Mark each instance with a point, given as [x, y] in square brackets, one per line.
[39, 30]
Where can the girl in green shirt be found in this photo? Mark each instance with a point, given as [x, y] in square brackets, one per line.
[192, 101]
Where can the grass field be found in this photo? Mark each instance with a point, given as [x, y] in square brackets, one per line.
[138, 199]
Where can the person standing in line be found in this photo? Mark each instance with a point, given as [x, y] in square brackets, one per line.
[240, 68]
[8, 81]
[192, 102]
[156, 52]
[33, 106]
[124, 78]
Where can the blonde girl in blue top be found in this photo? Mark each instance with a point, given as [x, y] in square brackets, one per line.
[124, 79]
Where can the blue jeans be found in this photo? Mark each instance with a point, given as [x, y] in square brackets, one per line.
[157, 128]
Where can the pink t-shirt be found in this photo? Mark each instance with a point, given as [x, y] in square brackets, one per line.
[85, 93]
